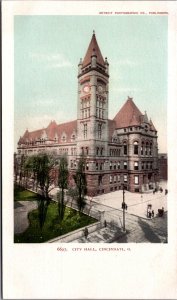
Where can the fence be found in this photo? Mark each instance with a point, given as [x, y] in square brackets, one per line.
[74, 235]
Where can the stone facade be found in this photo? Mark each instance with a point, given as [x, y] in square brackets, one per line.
[118, 152]
[163, 166]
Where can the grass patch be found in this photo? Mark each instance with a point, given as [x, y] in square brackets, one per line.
[20, 194]
[51, 229]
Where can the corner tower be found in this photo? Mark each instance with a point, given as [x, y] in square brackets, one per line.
[92, 110]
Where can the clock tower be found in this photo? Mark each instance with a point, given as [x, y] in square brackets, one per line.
[92, 110]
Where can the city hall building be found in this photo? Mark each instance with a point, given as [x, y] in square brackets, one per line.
[122, 151]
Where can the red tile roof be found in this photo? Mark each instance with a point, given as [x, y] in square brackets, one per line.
[53, 130]
[129, 115]
[93, 46]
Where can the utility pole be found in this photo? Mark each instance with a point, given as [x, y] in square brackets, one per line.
[123, 206]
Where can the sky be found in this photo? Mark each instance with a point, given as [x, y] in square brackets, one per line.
[47, 50]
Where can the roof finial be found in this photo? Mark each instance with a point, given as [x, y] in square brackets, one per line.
[93, 31]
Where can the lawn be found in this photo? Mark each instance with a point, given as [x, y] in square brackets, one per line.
[20, 194]
[51, 229]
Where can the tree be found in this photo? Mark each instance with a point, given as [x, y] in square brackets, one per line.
[81, 184]
[42, 165]
[21, 169]
[15, 167]
[72, 193]
[63, 184]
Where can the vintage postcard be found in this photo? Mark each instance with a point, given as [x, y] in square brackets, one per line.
[89, 164]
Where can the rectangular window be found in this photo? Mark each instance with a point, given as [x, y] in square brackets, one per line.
[125, 149]
[99, 179]
[110, 165]
[136, 149]
[118, 165]
[136, 179]
[135, 165]
[142, 165]
[99, 131]
[115, 178]
[110, 179]
[125, 178]
[118, 178]
[85, 131]
[141, 150]
[125, 165]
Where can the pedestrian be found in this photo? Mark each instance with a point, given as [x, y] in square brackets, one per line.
[86, 232]
[105, 223]
[162, 211]
[126, 206]
[152, 213]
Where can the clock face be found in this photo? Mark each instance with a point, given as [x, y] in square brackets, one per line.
[86, 88]
[100, 88]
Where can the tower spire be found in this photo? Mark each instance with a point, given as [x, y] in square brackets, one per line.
[93, 45]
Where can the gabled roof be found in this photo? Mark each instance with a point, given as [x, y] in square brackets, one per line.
[93, 47]
[51, 130]
[129, 115]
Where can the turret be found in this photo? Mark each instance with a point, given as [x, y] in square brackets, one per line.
[80, 66]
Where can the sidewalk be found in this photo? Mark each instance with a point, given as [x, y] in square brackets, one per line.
[137, 231]
[136, 202]
[104, 235]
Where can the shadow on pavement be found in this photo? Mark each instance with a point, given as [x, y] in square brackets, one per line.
[17, 204]
[120, 237]
[148, 232]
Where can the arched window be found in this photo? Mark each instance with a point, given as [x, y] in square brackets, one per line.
[147, 148]
[142, 148]
[150, 149]
[135, 148]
